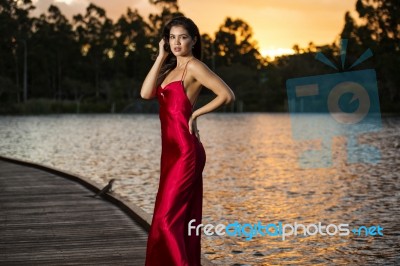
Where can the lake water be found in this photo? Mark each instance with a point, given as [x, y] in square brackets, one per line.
[251, 174]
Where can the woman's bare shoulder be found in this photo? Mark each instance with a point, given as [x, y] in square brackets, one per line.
[197, 66]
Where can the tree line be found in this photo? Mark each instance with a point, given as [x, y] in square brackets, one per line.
[93, 64]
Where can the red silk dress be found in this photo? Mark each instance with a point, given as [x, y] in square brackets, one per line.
[180, 192]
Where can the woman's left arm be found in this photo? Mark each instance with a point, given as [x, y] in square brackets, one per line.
[210, 80]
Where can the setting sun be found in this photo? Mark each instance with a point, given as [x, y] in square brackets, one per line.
[274, 52]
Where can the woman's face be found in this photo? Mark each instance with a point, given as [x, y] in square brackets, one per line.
[180, 41]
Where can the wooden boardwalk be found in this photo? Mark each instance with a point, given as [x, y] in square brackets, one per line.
[49, 220]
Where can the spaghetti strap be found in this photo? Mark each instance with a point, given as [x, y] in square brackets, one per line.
[184, 71]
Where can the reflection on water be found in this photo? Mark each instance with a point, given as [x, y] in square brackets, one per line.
[251, 174]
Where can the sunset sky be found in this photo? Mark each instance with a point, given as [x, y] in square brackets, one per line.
[277, 24]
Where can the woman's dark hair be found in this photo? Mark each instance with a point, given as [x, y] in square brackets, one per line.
[170, 61]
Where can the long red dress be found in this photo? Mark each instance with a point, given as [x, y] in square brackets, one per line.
[180, 193]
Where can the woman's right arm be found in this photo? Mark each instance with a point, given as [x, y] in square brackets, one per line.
[148, 90]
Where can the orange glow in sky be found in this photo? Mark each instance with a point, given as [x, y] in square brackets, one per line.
[277, 24]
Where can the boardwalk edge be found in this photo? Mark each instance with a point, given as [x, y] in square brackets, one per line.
[136, 213]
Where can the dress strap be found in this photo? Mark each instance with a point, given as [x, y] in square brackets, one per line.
[184, 71]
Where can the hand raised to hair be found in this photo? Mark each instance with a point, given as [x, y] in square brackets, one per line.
[161, 48]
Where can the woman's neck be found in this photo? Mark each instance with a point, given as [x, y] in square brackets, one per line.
[182, 60]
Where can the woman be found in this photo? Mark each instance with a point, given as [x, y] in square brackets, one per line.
[176, 79]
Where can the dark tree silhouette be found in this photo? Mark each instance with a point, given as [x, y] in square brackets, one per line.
[234, 44]
[379, 29]
[15, 31]
[98, 65]
[96, 39]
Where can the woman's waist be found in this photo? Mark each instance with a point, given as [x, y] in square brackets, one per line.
[174, 117]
